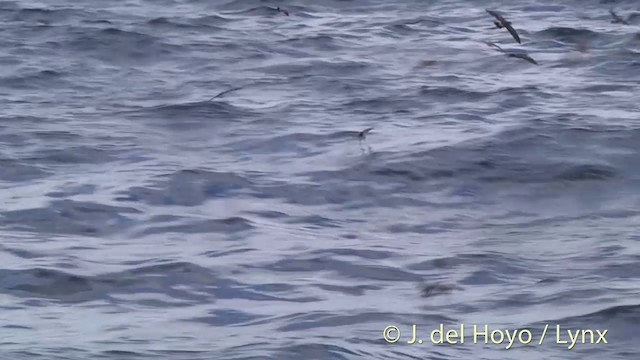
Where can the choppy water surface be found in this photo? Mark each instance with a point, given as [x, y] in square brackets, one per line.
[140, 220]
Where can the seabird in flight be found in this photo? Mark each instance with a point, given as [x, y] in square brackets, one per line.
[224, 93]
[363, 134]
[501, 22]
[617, 19]
[282, 11]
[523, 56]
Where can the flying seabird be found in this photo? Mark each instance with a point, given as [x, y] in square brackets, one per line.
[617, 19]
[501, 22]
[225, 92]
[518, 55]
[363, 134]
[523, 56]
[429, 290]
[282, 11]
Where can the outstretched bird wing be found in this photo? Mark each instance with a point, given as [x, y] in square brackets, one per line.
[506, 24]
[284, 11]
[614, 15]
[512, 31]
[225, 92]
[617, 17]
[364, 132]
[496, 15]
[494, 45]
[524, 57]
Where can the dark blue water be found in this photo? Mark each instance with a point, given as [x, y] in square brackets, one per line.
[140, 220]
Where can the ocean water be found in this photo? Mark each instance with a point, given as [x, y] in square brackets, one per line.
[140, 220]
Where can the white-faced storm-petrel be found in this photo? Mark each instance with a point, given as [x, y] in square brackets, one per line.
[501, 22]
[617, 19]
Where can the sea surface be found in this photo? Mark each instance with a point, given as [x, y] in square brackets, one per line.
[141, 220]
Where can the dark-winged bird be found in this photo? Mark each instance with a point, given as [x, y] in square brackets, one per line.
[363, 134]
[282, 11]
[518, 55]
[617, 19]
[501, 22]
[524, 57]
[225, 92]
